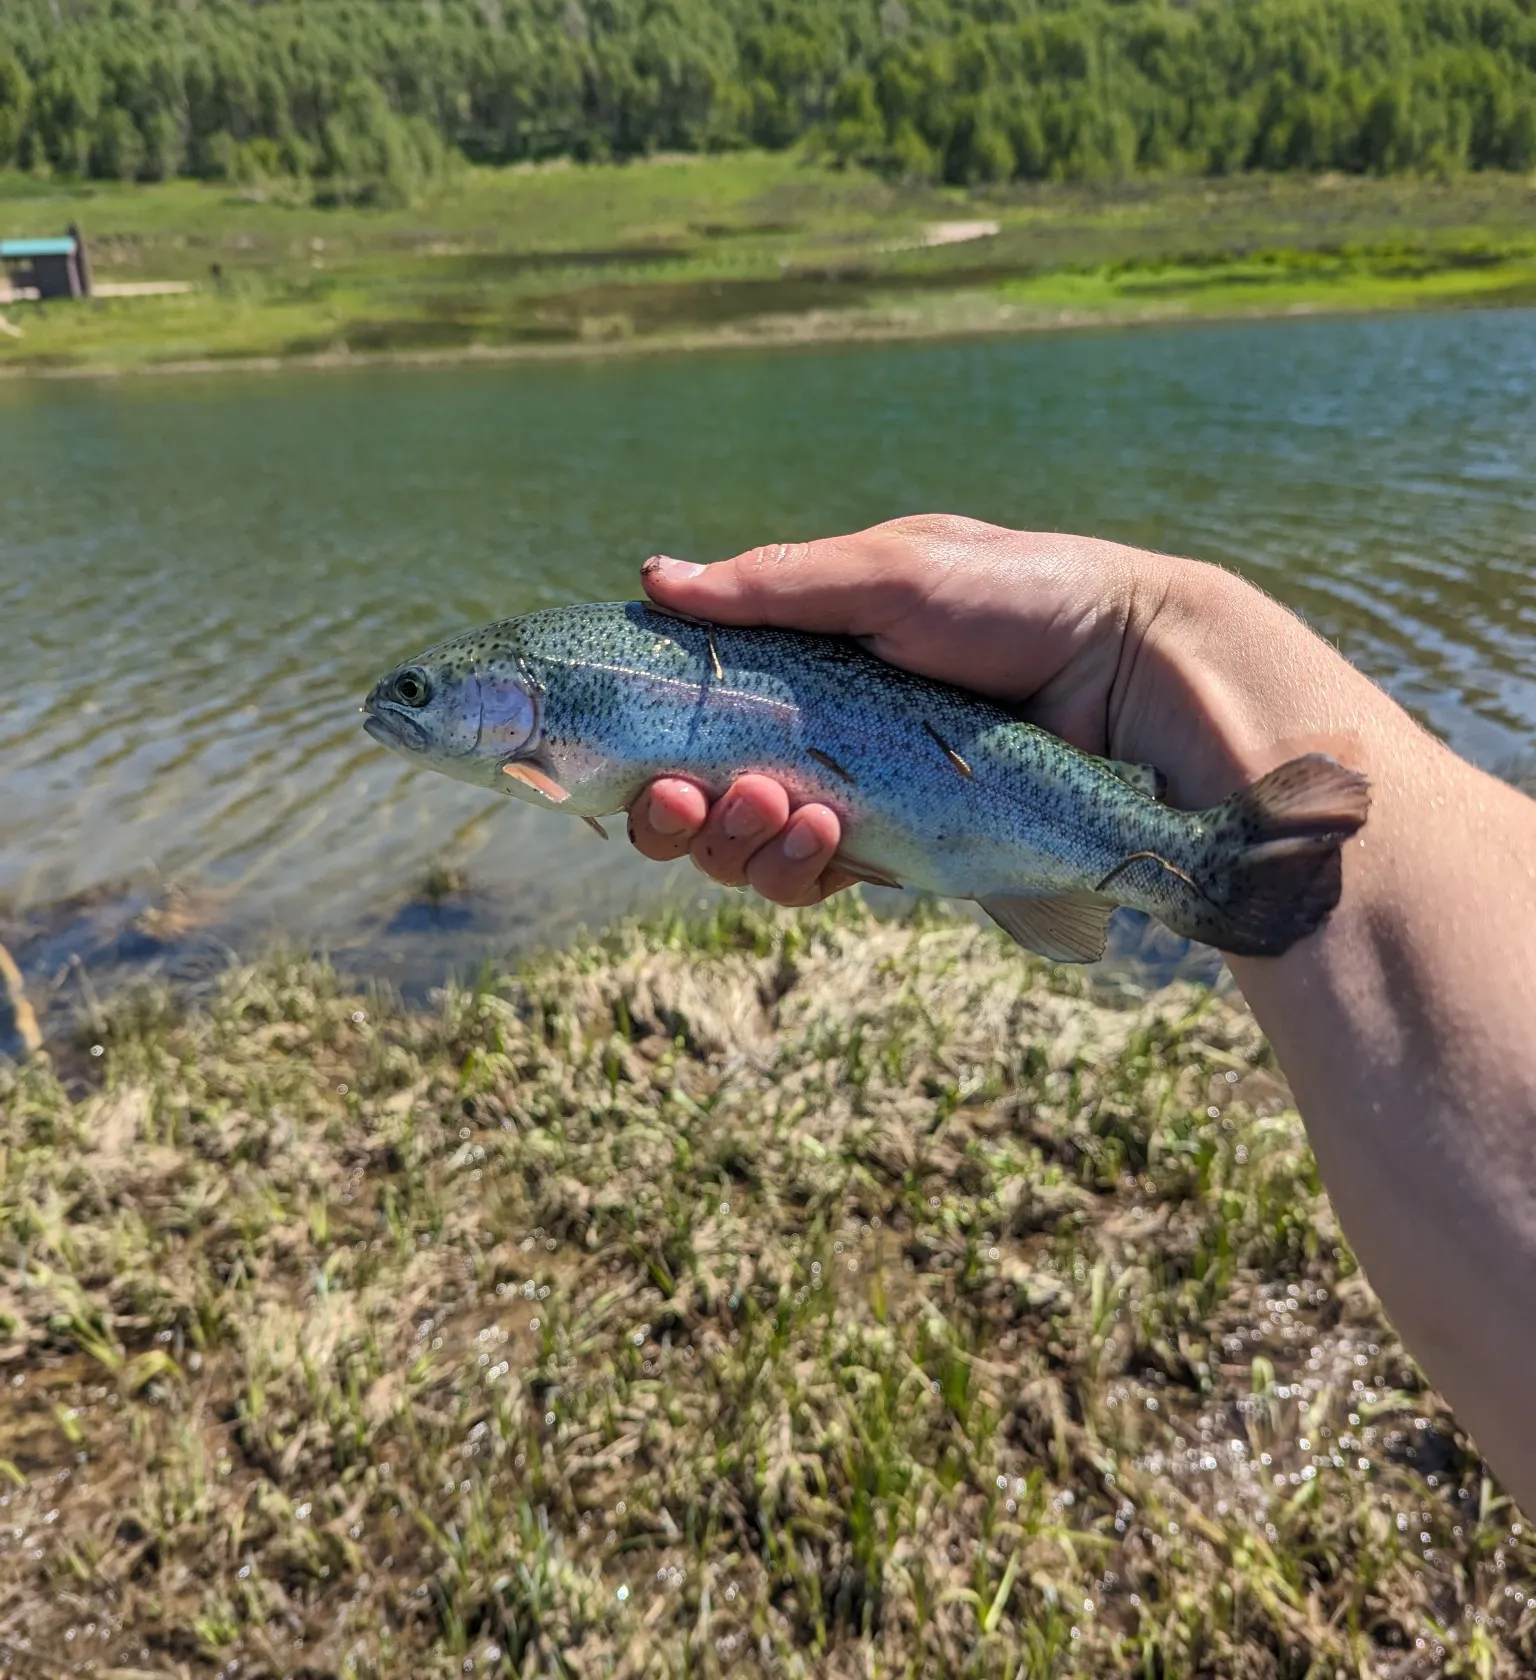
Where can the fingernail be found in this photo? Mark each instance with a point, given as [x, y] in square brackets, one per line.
[670, 568]
[801, 842]
[665, 820]
[741, 820]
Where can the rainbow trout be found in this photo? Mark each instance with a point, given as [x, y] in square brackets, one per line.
[578, 708]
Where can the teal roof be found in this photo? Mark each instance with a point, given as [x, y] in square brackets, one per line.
[36, 247]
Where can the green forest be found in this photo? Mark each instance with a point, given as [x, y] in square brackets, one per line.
[368, 99]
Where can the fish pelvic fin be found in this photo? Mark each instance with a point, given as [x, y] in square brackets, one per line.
[863, 871]
[1271, 872]
[1070, 928]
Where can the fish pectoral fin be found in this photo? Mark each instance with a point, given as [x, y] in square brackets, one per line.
[540, 781]
[1070, 928]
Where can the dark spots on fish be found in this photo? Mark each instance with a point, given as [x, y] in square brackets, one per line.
[949, 752]
[831, 764]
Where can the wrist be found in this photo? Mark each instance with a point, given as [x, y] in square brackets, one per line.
[1221, 683]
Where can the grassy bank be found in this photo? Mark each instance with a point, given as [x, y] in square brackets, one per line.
[755, 248]
[805, 1296]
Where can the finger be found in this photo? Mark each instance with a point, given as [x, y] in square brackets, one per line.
[855, 585]
[1005, 613]
[789, 869]
[751, 812]
[666, 817]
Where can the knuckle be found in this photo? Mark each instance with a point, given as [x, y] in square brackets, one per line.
[763, 571]
[772, 557]
[940, 527]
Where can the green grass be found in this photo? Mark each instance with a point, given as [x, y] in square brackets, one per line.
[754, 248]
[804, 1295]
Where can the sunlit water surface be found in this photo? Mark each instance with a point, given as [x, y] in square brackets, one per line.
[198, 578]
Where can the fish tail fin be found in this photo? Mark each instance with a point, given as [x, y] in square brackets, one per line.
[1269, 872]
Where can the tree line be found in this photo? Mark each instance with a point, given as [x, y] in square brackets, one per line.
[370, 97]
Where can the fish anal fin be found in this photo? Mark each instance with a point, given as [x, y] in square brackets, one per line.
[539, 780]
[1070, 928]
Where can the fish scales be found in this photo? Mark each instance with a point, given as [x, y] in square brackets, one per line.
[648, 694]
[578, 708]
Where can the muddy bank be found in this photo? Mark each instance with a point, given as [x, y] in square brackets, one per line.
[73, 952]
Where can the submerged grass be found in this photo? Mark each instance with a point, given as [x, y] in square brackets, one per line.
[750, 248]
[805, 1295]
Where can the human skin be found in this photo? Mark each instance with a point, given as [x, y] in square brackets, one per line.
[1406, 1025]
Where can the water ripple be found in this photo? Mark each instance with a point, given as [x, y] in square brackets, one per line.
[198, 579]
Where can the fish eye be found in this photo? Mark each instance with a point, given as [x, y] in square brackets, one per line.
[411, 688]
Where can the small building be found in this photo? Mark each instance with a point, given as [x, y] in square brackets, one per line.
[47, 268]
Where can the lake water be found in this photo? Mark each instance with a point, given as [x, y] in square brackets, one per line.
[199, 577]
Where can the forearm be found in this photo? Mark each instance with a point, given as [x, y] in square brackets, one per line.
[1407, 1024]
[1407, 1028]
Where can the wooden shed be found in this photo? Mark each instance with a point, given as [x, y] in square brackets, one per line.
[47, 268]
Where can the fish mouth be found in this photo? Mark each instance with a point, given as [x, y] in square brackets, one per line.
[393, 729]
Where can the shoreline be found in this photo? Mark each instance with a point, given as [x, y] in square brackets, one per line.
[815, 331]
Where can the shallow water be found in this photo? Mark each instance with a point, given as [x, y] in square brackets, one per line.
[199, 577]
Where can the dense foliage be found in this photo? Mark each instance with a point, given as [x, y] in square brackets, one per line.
[361, 93]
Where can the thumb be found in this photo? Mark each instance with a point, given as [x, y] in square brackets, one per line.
[864, 584]
[1018, 615]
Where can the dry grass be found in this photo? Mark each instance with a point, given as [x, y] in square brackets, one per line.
[806, 1296]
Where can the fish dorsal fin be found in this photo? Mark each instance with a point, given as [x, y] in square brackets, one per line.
[1070, 928]
[1145, 778]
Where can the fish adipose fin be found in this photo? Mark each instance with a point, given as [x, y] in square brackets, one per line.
[1272, 872]
[1145, 778]
[1071, 928]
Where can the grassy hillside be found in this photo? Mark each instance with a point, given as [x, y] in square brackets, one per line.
[784, 1295]
[759, 247]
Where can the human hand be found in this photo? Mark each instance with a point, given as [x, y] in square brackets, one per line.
[1403, 1026]
[1135, 655]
